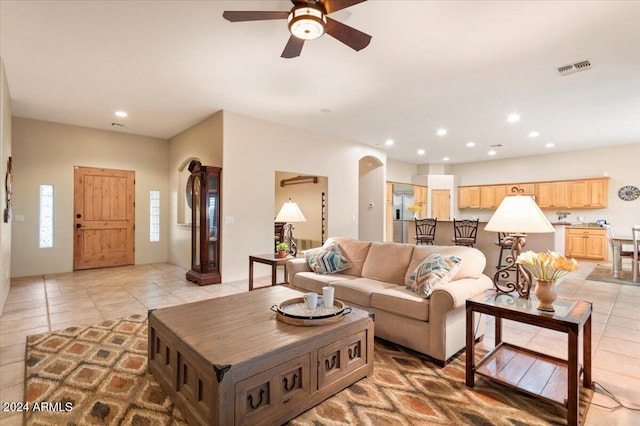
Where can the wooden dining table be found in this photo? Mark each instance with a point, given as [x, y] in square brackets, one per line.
[618, 241]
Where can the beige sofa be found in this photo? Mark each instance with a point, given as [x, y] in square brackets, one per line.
[376, 282]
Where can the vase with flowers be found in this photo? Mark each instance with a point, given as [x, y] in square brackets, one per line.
[414, 208]
[547, 267]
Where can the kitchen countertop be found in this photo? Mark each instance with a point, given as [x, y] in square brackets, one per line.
[578, 225]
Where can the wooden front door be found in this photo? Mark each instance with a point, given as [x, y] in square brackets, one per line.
[104, 220]
[440, 204]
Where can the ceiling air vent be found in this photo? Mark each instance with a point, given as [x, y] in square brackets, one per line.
[571, 68]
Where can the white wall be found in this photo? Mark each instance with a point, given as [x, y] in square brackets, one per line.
[202, 141]
[400, 172]
[620, 163]
[5, 153]
[253, 151]
[46, 153]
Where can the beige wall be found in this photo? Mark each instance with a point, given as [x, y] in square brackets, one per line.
[253, 151]
[620, 163]
[5, 153]
[203, 142]
[398, 171]
[46, 153]
[308, 196]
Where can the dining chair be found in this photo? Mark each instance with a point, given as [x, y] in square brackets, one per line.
[505, 245]
[426, 230]
[635, 233]
[465, 232]
[623, 253]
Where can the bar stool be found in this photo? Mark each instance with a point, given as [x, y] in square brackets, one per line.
[426, 230]
[465, 232]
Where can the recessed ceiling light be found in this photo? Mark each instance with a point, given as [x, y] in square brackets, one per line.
[421, 151]
[549, 145]
[121, 114]
[471, 144]
[534, 134]
[441, 132]
[388, 142]
[446, 159]
[492, 152]
[513, 118]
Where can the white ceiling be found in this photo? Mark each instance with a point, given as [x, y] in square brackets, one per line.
[461, 65]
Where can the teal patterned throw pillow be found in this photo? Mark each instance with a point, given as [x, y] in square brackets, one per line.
[434, 271]
[328, 259]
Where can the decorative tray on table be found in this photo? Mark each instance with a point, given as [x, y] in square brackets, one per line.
[294, 311]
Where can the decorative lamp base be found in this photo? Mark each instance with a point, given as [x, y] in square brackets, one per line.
[522, 281]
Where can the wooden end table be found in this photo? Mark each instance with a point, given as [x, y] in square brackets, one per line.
[543, 376]
[274, 261]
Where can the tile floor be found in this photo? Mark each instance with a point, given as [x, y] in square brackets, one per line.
[41, 304]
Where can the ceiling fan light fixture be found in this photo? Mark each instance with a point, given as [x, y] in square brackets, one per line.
[307, 22]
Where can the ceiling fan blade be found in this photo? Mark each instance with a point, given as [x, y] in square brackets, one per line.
[293, 48]
[335, 5]
[355, 39]
[247, 15]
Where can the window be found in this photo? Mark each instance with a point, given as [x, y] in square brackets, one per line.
[46, 216]
[154, 215]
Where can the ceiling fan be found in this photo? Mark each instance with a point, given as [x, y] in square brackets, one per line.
[308, 20]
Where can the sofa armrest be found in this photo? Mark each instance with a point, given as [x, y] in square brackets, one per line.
[296, 265]
[455, 293]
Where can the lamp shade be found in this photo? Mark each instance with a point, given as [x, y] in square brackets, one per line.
[519, 214]
[289, 213]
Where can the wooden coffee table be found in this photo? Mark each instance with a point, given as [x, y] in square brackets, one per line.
[228, 361]
[546, 377]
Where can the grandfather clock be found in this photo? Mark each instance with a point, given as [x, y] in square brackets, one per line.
[203, 196]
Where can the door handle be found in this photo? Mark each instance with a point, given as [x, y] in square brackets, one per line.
[78, 225]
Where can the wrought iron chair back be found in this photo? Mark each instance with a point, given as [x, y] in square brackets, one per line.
[465, 232]
[426, 230]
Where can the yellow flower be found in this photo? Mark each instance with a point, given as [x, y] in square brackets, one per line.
[548, 266]
[414, 208]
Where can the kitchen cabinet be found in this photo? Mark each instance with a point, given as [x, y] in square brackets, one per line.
[492, 195]
[586, 243]
[521, 188]
[589, 193]
[420, 199]
[552, 194]
[468, 197]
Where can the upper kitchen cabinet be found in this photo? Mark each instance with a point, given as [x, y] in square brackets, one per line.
[552, 194]
[589, 193]
[492, 195]
[468, 197]
[522, 188]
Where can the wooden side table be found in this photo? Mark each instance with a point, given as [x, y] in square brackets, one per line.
[546, 377]
[274, 261]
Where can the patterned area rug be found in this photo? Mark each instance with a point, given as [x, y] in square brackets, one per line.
[603, 273]
[96, 375]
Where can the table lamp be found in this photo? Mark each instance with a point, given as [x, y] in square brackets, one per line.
[517, 215]
[289, 214]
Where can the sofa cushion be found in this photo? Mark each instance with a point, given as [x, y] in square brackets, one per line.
[435, 270]
[326, 259]
[358, 291]
[400, 301]
[310, 281]
[388, 262]
[354, 251]
[472, 266]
